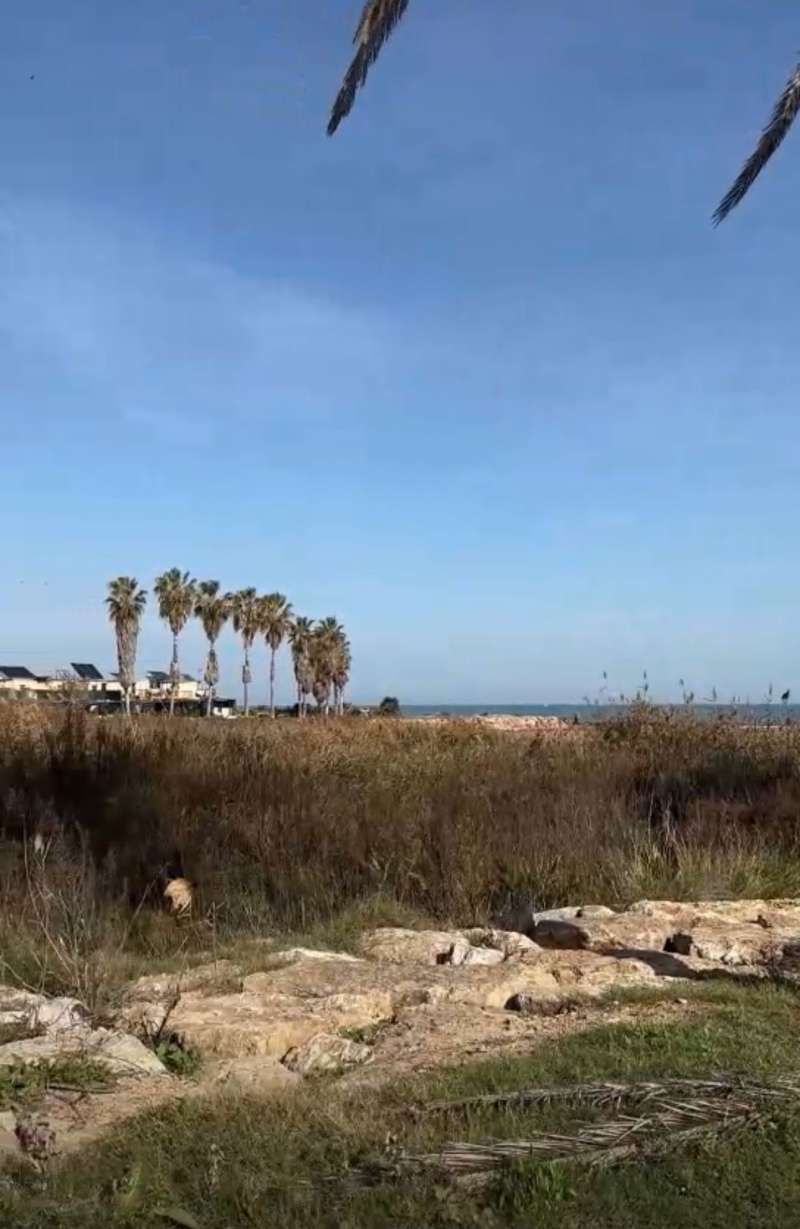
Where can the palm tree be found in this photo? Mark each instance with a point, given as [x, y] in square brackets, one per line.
[323, 650]
[276, 624]
[378, 20]
[212, 608]
[126, 603]
[300, 635]
[246, 611]
[781, 120]
[175, 591]
[342, 662]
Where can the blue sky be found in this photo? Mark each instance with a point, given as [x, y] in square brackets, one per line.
[476, 376]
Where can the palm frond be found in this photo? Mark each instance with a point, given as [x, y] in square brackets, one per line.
[378, 20]
[598, 1096]
[780, 122]
[672, 1112]
[669, 1123]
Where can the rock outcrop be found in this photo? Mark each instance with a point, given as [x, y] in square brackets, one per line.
[408, 997]
[121, 1053]
[737, 933]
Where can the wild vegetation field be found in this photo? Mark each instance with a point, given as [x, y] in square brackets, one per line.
[281, 825]
[320, 828]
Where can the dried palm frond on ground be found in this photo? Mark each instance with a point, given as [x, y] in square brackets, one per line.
[677, 1111]
[602, 1143]
[609, 1095]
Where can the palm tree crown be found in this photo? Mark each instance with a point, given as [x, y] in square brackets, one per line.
[175, 591]
[378, 20]
[781, 120]
[125, 601]
[212, 608]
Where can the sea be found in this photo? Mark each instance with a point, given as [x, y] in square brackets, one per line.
[597, 712]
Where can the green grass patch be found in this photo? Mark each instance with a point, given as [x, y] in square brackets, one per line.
[291, 1162]
[21, 1082]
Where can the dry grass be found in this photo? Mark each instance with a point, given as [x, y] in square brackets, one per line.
[288, 827]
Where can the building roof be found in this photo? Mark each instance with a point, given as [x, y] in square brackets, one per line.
[162, 676]
[17, 672]
[86, 671]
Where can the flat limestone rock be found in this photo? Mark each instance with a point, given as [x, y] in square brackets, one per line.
[9, 1146]
[291, 955]
[37, 1011]
[394, 945]
[604, 934]
[327, 1052]
[737, 945]
[509, 942]
[163, 986]
[750, 932]
[250, 1023]
[547, 978]
[258, 1075]
[483, 955]
[122, 1053]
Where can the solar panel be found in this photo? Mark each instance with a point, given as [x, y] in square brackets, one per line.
[86, 671]
[17, 672]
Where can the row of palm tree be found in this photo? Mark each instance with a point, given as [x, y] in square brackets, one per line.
[320, 650]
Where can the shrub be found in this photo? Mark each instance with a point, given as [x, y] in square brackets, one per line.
[285, 824]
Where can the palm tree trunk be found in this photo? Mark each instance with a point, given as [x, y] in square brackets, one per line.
[209, 700]
[272, 682]
[127, 701]
[246, 681]
[173, 691]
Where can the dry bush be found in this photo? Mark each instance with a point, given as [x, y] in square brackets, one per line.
[284, 824]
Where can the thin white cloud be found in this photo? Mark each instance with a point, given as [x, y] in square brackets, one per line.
[175, 345]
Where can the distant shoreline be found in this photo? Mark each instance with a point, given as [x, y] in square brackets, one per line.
[596, 712]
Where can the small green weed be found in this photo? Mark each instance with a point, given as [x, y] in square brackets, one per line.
[177, 1059]
[22, 1082]
[367, 1034]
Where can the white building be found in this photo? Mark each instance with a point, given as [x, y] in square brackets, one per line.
[84, 680]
